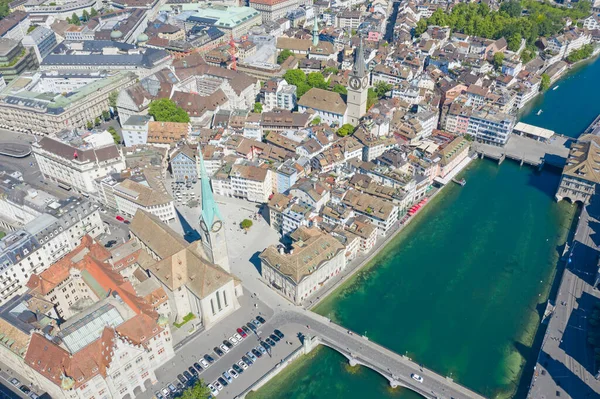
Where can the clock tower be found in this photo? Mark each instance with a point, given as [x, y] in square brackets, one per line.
[358, 86]
[212, 230]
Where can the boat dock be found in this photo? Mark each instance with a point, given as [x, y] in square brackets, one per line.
[528, 151]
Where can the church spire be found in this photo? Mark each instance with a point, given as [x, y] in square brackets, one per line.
[210, 211]
[315, 38]
[360, 68]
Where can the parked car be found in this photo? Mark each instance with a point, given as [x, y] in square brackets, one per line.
[261, 319]
[233, 373]
[246, 330]
[204, 364]
[251, 326]
[166, 392]
[234, 341]
[213, 390]
[120, 218]
[274, 337]
[223, 381]
[238, 337]
[224, 348]
[252, 356]
[193, 370]
[262, 350]
[172, 388]
[158, 395]
[256, 352]
[218, 385]
[227, 376]
[228, 344]
[279, 334]
[242, 364]
[209, 359]
[256, 323]
[218, 351]
[247, 360]
[181, 378]
[270, 342]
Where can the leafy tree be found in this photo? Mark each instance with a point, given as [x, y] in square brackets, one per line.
[302, 88]
[165, 110]
[316, 120]
[345, 130]
[295, 77]
[512, 8]
[75, 20]
[105, 115]
[89, 125]
[114, 134]
[498, 60]
[514, 41]
[371, 97]
[112, 99]
[581, 54]
[338, 88]
[332, 70]
[284, 55]
[528, 54]
[545, 83]
[258, 108]
[93, 12]
[4, 9]
[97, 121]
[31, 28]
[86, 15]
[246, 224]
[198, 391]
[316, 79]
[381, 88]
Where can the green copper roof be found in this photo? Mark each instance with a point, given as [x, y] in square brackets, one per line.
[210, 211]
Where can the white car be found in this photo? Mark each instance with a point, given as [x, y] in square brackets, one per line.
[261, 350]
[243, 365]
[218, 385]
[233, 373]
[224, 348]
[417, 377]
[213, 390]
[227, 376]
[204, 363]
[234, 340]
[238, 337]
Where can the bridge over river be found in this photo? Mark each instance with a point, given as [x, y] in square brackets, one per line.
[359, 350]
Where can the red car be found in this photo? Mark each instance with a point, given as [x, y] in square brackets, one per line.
[120, 218]
[242, 333]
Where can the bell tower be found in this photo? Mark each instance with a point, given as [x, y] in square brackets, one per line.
[358, 86]
[212, 230]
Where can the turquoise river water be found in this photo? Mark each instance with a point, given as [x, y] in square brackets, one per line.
[460, 288]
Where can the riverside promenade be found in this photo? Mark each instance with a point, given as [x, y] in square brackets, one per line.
[565, 365]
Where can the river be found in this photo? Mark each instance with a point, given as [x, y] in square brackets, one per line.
[461, 289]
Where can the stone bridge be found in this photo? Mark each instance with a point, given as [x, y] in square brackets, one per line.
[359, 350]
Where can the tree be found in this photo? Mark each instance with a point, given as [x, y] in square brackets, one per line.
[302, 88]
[93, 12]
[381, 88]
[165, 110]
[284, 55]
[512, 8]
[295, 77]
[112, 99]
[258, 108]
[371, 97]
[97, 121]
[514, 41]
[345, 130]
[105, 115]
[246, 224]
[85, 16]
[545, 83]
[75, 20]
[316, 120]
[114, 134]
[316, 79]
[498, 60]
[198, 391]
[338, 88]
[89, 125]
[329, 70]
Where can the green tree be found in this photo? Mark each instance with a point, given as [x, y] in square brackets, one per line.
[258, 108]
[498, 60]
[371, 97]
[302, 88]
[97, 121]
[114, 134]
[246, 224]
[75, 20]
[93, 12]
[284, 55]
[528, 54]
[329, 70]
[381, 88]
[581, 54]
[112, 99]
[338, 88]
[545, 83]
[316, 120]
[105, 115]
[512, 8]
[165, 110]
[85, 15]
[514, 41]
[345, 130]
[295, 77]
[316, 79]
[89, 125]
[198, 391]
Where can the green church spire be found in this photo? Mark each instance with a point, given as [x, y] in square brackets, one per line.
[210, 211]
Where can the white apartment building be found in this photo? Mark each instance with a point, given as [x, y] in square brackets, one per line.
[45, 240]
[282, 97]
[76, 166]
[135, 130]
[249, 182]
[378, 212]
[313, 258]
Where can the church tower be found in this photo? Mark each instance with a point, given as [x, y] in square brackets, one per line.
[315, 33]
[358, 86]
[212, 229]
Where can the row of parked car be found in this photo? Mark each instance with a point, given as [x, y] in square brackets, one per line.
[191, 375]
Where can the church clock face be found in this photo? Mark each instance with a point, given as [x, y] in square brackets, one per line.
[365, 82]
[355, 83]
[217, 226]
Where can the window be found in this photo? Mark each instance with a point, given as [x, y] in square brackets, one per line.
[212, 305]
[225, 297]
[219, 301]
